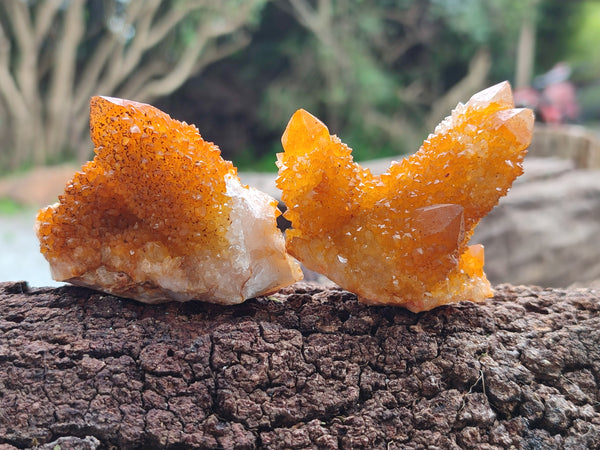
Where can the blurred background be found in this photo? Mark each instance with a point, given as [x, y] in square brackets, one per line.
[380, 73]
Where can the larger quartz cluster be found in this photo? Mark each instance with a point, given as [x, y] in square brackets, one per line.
[401, 238]
[158, 215]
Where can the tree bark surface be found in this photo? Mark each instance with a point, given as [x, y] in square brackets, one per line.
[308, 367]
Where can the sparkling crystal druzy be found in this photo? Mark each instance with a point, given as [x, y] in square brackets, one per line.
[158, 215]
[401, 238]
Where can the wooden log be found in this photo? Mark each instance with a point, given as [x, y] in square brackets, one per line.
[309, 367]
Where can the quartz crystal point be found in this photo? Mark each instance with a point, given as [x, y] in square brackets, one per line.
[158, 215]
[401, 238]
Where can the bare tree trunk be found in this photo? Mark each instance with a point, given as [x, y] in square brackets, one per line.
[59, 109]
[526, 51]
[46, 87]
[306, 368]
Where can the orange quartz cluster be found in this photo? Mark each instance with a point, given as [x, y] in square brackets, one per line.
[401, 238]
[151, 216]
[144, 185]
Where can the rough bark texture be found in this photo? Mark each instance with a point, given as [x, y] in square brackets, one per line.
[524, 236]
[309, 367]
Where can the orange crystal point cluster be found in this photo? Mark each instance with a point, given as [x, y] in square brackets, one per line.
[401, 238]
[158, 215]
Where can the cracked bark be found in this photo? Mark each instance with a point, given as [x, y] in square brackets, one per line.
[309, 367]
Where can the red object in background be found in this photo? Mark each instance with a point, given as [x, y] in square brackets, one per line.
[553, 97]
[564, 99]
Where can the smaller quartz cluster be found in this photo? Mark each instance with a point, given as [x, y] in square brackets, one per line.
[401, 238]
[158, 215]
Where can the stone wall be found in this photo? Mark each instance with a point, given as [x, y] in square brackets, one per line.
[571, 142]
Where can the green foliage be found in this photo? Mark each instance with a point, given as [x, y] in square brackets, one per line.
[347, 74]
[481, 21]
[371, 73]
[9, 207]
[212, 16]
[6, 170]
[248, 161]
[335, 76]
[585, 41]
[368, 143]
[557, 24]
[370, 69]
[471, 24]
[589, 103]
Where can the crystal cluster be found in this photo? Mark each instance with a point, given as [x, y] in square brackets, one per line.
[158, 215]
[401, 238]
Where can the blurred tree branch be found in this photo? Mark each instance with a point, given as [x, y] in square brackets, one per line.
[359, 44]
[386, 70]
[473, 81]
[56, 54]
